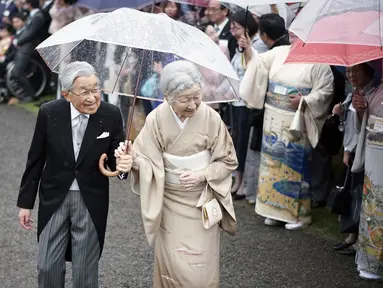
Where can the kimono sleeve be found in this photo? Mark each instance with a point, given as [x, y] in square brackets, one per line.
[218, 176]
[148, 177]
[254, 84]
[318, 101]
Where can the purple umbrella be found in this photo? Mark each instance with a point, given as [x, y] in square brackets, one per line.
[108, 5]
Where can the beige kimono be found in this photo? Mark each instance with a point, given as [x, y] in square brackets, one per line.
[186, 254]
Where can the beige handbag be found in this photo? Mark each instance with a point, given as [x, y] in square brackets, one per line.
[297, 126]
[211, 213]
[211, 210]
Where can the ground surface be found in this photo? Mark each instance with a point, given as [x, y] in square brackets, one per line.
[258, 256]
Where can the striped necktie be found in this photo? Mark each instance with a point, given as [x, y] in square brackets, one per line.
[78, 133]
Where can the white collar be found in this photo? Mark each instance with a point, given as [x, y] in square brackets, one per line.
[46, 3]
[74, 113]
[33, 12]
[178, 120]
[222, 25]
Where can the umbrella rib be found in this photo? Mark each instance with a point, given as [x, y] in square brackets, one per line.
[316, 19]
[58, 64]
[122, 67]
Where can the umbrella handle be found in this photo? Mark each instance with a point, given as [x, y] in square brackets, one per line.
[103, 170]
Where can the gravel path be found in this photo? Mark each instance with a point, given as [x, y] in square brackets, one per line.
[258, 256]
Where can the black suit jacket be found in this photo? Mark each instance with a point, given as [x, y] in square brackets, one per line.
[33, 34]
[51, 164]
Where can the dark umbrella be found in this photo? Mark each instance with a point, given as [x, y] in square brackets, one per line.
[108, 5]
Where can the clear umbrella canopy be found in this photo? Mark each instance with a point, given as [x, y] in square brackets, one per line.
[129, 48]
[242, 3]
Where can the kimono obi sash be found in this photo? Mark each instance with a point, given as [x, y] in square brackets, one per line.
[175, 165]
[278, 95]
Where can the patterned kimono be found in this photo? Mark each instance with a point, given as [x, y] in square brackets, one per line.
[186, 254]
[369, 255]
[284, 178]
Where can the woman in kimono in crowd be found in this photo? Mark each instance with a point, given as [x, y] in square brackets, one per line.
[183, 156]
[369, 152]
[283, 186]
[361, 77]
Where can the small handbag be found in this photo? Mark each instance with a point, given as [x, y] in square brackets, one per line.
[339, 199]
[297, 125]
[211, 213]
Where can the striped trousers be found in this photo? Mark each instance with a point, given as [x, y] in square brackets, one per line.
[70, 221]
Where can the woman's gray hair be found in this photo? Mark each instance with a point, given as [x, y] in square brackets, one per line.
[179, 76]
[75, 70]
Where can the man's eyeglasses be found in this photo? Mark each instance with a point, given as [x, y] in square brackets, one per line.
[87, 93]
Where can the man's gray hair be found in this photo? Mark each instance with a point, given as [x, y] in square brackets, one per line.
[179, 76]
[75, 70]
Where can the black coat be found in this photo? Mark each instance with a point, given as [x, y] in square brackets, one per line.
[51, 163]
[33, 34]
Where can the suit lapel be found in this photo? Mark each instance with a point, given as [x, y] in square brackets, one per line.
[93, 129]
[64, 124]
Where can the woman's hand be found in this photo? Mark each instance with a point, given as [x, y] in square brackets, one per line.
[190, 179]
[295, 100]
[245, 43]
[346, 158]
[124, 163]
[337, 110]
[359, 102]
[125, 148]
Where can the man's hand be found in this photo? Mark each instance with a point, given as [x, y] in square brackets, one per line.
[25, 219]
[295, 100]
[190, 179]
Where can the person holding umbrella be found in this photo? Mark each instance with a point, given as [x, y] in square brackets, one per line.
[70, 135]
[183, 160]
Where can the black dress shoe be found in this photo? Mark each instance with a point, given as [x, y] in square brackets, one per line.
[316, 204]
[342, 245]
[347, 251]
[239, 197]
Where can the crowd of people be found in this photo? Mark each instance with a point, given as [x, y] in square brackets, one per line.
[284, 171]
[25, 24]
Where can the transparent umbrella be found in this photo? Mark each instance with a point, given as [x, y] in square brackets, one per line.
[241, 3]
[129, 48]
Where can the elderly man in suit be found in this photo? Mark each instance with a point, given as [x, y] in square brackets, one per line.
[70, 136]
[218, 16]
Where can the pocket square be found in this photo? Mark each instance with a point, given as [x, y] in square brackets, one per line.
[103, 135]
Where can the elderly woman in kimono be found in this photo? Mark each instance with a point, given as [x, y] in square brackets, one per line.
[183, 157]
[369, 153]
[283, 188]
